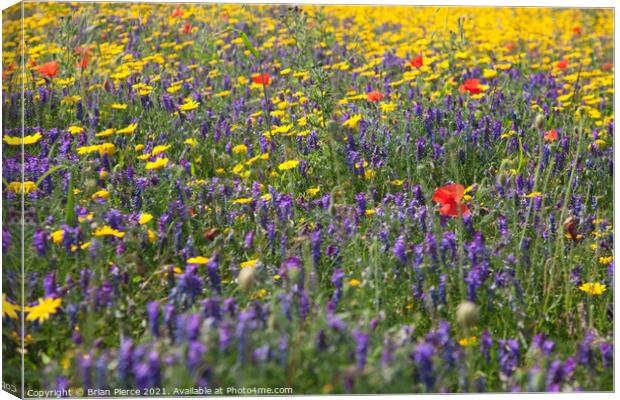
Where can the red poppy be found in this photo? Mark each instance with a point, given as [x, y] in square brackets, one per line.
[551, 136]
[177, 13]
[472, 86]
[84, 55]
[48, 69]
[577, 30]
[261, 79]
[607, 66]
[450, 197]
[562, 64]
[510, 46]
[375, 95]
[187, 28]
[417, 62]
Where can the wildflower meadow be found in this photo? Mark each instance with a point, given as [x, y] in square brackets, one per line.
[278, 199]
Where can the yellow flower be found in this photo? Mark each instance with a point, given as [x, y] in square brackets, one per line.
[370, 212]
[286, 165]
[243, 200]
[106, 133]
[188, 105]
[353, 122]
[57, 236]
[101, 194]
[191, 141]
[42, 311]
[107, 148]
[108, 231]
[267, 197]
[17, 141]
[198, 260]
[75, 129]
[313, 191]
[260, 293]
[117, 106]
[533, 194]
[9, 309]
[489, 73]
[240, 149]
[145, 218]
[593, 289]
[387, 107]
[128, 129]
[18, 187]
[354, 282]
[468, 341]
[159, 149]
[157, 164]
[249, 263]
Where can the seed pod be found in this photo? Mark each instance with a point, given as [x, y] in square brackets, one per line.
[467, 314]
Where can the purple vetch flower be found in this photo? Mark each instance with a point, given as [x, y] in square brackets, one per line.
[448, 247]
[195, 351]
[362, 341]
[585, 353]
[85, 363]
[6, 239]
[360, 201]
[558, 373]
[315, 243]
[261, 354]
[190, 284]
[508, 353]
[544, 345]
[423, 358]
[211, 310]
[192, 327]
[213, 271]
[399, 250]
[49, 284]
[125, 360]
[152, 311]
[40, 241]
[226, 335]
[101, 366]
[607, 354]
[336, 279]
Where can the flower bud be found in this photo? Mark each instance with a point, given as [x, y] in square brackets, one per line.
[539, 122]
[246, 278]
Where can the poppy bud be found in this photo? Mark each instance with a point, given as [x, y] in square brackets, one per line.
[570, 227]
[246, 278]
[211, 234]
[467, 314]
[539, 122]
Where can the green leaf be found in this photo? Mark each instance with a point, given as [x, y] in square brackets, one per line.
[45, 175]
[245, 39]
[70, 211]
